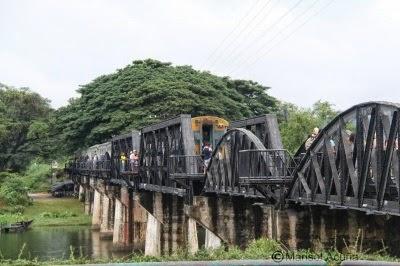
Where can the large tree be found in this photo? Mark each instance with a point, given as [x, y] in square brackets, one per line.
[23, 126]
[297, 123]
[148, 91]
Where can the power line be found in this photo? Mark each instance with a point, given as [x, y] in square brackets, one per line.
[270, 40]
[233, 30]
[265, 31]
[292, 32]
[240, 32]
[238, 43]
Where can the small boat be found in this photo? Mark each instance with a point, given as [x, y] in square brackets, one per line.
[16, 227]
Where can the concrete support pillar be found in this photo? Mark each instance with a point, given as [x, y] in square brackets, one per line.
[212, 241]
[139, 224]
[122, 236]
[118, 225]
[292, 216]
[96, 218]
[192, 240]
[153, 237]
[154, 227]
[81, 193]
[88, 205]
[106, 231]
[272, 222]
[126, 200]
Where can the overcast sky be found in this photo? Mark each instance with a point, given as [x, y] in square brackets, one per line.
[345, 51]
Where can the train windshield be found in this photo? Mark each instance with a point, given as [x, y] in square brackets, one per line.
[207, 130]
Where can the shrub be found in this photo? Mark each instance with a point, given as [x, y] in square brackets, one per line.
[36, 176]
[56, 214]
[13, 191]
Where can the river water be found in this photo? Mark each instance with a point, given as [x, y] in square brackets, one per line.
[306, 228]
[55, 242]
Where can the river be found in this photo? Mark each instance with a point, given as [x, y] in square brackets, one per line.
[46, 243]
[305, 228]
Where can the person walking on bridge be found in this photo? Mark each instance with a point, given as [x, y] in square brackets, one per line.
[311, 139]
[206, 152]
[123, 162]
[134, 161]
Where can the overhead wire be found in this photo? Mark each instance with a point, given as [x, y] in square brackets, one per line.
[266, 15]
[261, 36]
[292, 32]
[233, 30]
[237, 36]
[270, 40]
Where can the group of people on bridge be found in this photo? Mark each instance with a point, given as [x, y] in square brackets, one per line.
[133, 159]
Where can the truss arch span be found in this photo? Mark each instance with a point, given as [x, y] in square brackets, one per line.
[222, 175]
[354, 161]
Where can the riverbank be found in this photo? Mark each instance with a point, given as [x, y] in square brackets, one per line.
[263, 249]
[49, 211]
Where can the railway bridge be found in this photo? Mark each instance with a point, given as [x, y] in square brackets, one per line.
[169, 201]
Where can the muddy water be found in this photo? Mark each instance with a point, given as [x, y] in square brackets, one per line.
[56, 242]
[298, 228]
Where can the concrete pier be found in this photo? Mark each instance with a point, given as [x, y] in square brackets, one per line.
[106, 225]
[88, 199]
[81, 193]
[192, 239]
[158, 224]
[118, 224]
[153, 237]
[97, 209]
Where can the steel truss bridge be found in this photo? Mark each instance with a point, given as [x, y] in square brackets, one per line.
[352, 164]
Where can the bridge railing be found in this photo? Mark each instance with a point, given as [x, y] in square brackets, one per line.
[90, 166]
[186, 167]
[128, 167]
[268, 167]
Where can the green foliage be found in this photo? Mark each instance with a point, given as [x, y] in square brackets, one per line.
[263, 249]
[57, 214]
[23, 126]
[17, 209]
[36, 176]
[7, 218]
[149, 91]
[13, 191]
[298, 123]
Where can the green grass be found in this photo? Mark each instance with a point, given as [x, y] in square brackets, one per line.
[259, 249]
[49, 212]
[57, 212]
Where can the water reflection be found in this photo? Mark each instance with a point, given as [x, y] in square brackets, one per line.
[298, 228]
[56, 242]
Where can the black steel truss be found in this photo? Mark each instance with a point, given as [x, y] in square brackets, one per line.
[265, 127]
[222, 176]
[354, 162]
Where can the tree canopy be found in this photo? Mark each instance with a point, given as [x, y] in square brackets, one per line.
[148, 91]
[299, 122]
[23, 126]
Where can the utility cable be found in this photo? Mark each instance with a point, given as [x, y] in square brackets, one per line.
[215, 50]
[270, 40]
[261, 36]
[292, 32]
[240, 33]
